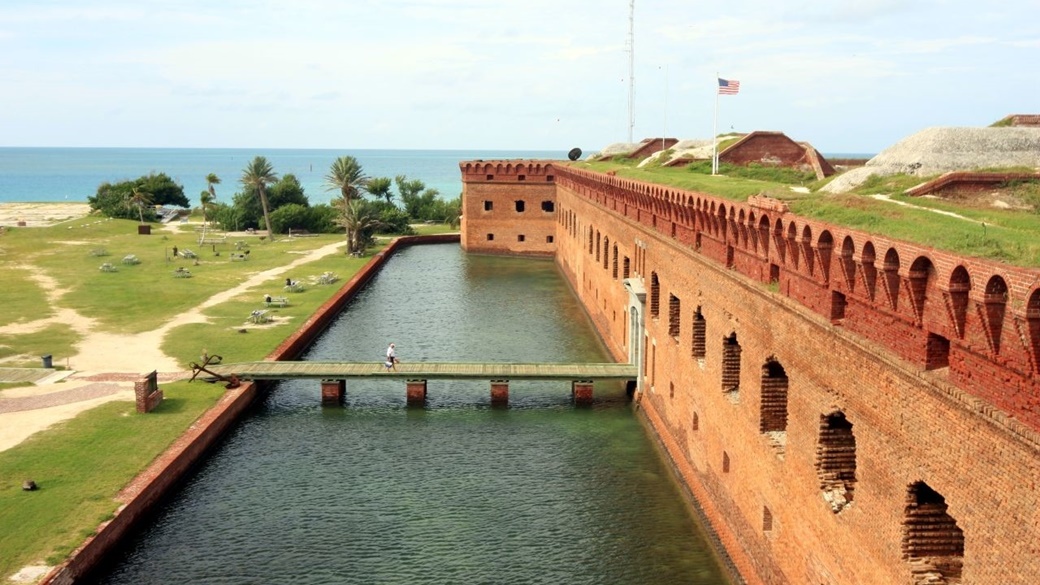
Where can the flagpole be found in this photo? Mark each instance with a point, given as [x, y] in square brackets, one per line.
[714, 131]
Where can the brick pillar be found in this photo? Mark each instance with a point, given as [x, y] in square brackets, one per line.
[416, 391]
[147, 393]
[499, 392]
[333, 392]
[581, 392]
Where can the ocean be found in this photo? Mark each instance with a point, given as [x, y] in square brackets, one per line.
[73, 174]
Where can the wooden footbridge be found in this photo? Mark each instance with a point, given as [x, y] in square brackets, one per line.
[333, 375]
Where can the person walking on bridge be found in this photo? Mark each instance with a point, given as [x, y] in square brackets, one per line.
[391, 358]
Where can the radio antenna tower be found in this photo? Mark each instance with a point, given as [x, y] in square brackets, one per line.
[631, 69]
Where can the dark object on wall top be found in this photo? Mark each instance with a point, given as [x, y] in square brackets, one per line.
[574, 154]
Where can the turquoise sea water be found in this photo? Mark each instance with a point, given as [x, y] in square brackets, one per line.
[73, 174]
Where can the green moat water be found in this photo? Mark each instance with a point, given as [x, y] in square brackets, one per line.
[457, 492]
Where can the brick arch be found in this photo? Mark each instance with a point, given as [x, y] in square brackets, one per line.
[741, 232]
[1033, 327]
[957, 307]
[824, 246]
[721, 218]
[891, 277]
[807, 250]
[994, 307]
[869, 269]
[792, 243]
[763, 234]
[778, 240]
[847, 263]
[921, 275]
[751, 226]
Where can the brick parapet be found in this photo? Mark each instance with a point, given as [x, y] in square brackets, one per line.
[903, 292]
[910, 425]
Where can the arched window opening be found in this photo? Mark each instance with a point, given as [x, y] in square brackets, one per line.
[933, 544]
[847, 264]
[807, 250]
[1033, 325]
[731, 367]
[921, 273]
[960, 286]
[590, 239]
[695, 424]
[836, 460]
[767, 520]
[655, 296]
[824, 249]
[995, 306]
[792, 245]
[597, 245]
[626, 268]
[606, 252]
[763, 235]
[614, 266]
[773, 414]
[869, 270]
[778, 240]
[891, 270]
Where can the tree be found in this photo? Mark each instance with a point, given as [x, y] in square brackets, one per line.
[380, 187]
[139, 199]
[111, 199]
[346, 176]
[358, 222]
[208, 197]
[408, 188]
[256, 176]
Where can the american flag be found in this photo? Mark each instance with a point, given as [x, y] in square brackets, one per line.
[728, 86]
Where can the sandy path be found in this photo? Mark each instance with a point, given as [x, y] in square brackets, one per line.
[104, 355]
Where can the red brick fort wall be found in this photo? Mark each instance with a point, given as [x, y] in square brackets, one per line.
[845, 407]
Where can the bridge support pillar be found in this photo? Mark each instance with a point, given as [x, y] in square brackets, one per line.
[416, 391]
[333, 392]
[499, 392]
[581, 392]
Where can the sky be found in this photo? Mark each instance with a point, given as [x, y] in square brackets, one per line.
[849, 77]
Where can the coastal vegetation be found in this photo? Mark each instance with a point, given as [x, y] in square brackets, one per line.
[82, 464]
[279, 205]
[879, 205]
[113, 199]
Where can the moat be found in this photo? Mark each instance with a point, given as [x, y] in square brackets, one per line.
[456, 492]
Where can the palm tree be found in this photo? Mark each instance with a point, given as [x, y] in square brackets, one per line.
[356, 219]
[347, 176]
[256, 176]
[139, 199]
[380, 187]
[209, 196]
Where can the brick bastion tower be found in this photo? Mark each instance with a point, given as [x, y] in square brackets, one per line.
[844, 407]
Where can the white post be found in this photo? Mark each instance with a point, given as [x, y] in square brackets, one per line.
[714, 131]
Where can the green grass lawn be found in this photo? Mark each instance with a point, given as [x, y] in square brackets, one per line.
[82, 464]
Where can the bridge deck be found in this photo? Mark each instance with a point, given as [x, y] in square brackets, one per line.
[287, 370]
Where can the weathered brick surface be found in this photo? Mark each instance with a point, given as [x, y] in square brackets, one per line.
[859, 323]
[491, 220]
